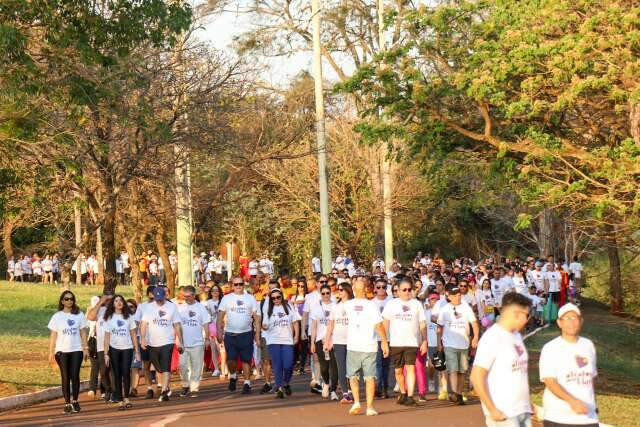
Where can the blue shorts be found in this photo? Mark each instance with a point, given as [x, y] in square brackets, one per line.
[239, 345]
[361, 363]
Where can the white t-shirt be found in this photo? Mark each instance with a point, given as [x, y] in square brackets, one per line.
[160, 320]
[100, 328]
[193, 317]
[469, 298]
[381, 303]
[212, 307]
[500, 287]
[536, 301]
[573, 365]
[432, 328]
[253, 268]
[119, 329]
[68, 327]
[554, 278]
[404, 322]
[279, 325]
[520, 285]
[504, 356]
[315, 265]
[363, 317]
[239, 311]
[537, 278]
[321, 312]
[340, 323]
[576, 268]
[455, 323]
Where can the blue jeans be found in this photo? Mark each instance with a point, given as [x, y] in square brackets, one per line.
[281, 362]
[383, 365]
[522, 420]
[340, 351]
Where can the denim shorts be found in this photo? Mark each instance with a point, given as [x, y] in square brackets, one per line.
[457, 359]
[361, 363]
[239, 345]
[522, 420]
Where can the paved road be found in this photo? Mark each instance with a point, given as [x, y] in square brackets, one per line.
[216, 406]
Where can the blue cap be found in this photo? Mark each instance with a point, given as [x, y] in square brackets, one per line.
[159, 293]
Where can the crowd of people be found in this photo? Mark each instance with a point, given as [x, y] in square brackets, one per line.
[449, 328]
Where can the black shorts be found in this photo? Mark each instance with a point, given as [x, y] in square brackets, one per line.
[547, 423]
[239, 345]
[401, 356]
[144, 354]
[160, 357]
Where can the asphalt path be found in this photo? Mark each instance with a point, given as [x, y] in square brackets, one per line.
[215, 405]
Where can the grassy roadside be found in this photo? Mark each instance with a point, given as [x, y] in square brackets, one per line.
[25, 310]
[617, 342]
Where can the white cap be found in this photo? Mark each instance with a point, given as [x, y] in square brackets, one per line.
[567, 308]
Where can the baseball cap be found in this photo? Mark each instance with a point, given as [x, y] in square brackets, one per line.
[453, 289]
[538, 264]
[567, 308]
[159, 293]
[434, 295]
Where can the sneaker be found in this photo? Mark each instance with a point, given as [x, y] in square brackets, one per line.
[315, 389]
[346, 398]
[149, 394]
[409, 401]
[68, 408]
[334, 396]
[232, 384]
[422, 398]
[266, 388]
[184, 392]
[454, 398]
[378, 394]
[215, 373]
[371, 412]
[169, 392]
[164, 397]
[401, 399]
[91, 394]
[280, 393]
[464, 397]
[325, 391]
[75, 407]
[246, 388]
[107, 397]
[396, 389]
[287, 390]
[194, 394]
[355, 409]
[443, 395]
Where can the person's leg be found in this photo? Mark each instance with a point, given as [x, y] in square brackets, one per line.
[232, 355]
[386, 369]
[93, 375]
[197, 364]
[324, 364]
[400, 380]
[105, 375]
[369, 374]
[215, 354]
[370, 390]
[353, 373]
[304, 351]
[74, 374]
[333, 371]
[287, 363]
[411, 379]
[276, 350]
[340, 352]
[126, 358]
[379, 370]
[266, 362]
[355, 388]
[146, 364]
[183, 368]
[116, 367]
[63, 363]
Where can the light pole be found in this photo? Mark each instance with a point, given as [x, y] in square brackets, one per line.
[325, 230]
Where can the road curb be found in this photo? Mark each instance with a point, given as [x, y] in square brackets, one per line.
[13, 402]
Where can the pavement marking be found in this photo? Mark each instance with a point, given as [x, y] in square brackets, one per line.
[535, 331]
[167, 420]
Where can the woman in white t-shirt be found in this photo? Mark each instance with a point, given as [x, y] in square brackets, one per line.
[120, 341]
[319, 313]
[68, 347]
[218, 355]
[486, 304]
[36, 265]
[337, 338]
[47, 276]
[297, 300]
[281, 325]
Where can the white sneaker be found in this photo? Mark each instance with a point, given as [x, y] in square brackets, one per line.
[371, 412]
[396, 389]
[215, 373]
[325, 391]
[355, 409]
[334, 396]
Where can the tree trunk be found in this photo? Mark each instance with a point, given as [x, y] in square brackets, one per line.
[77, 227]
[545, 237]
[99, 257]
[162, 251]
[615, 276]
[634, 121]
[7, 231]
[109, 245]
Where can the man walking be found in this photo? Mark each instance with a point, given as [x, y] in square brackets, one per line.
[567, 369]
[195, 319]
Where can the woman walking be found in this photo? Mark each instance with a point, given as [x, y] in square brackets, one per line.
[218, 355]
[319, 315]
[337, 339]
[68, 347]
[282, 332]
[297, 300]
[120, 341]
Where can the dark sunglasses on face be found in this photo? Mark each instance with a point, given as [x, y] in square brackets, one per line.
[131, 307]
[380, 287]
[68, 299]
[394, 291]
[237, 284]
[405, 290]
[326, 293]
[340, 289]
[323, 281]
[277, 298]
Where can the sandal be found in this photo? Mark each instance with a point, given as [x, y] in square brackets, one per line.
[128, 405]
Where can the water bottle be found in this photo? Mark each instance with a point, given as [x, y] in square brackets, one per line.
[327, 356]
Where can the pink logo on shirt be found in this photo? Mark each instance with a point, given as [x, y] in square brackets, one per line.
[581, 361]
[161, 313]
[326, 313]
[405, 308]
[358, 307]
[192, 313]
[519, 349]
[71, 322]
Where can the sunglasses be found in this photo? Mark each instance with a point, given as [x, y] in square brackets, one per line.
[276, 298]
[380, 287]
[68, 299]
[238, 284]
[324, 281]
[393, 291]
[463, 286]
[301, 286]
[405, 290]
[326, 293]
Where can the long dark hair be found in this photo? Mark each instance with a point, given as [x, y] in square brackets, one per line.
[347, 288]
[215, 286]
[303, 280]
[111, 308]
[285, 305]
[74, 308]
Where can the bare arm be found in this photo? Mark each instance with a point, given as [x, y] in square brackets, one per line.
[328, 338]
[476, 333]
[52, 346]
[383, 339]
[220, 325]
[143, 334]
[314, 326]
[296, 332]
[177, 328]
[577, 405]
[479, 380]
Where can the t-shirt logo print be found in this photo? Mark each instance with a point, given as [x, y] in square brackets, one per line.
[281, 315]
[239, 303]
[161, 313]
[581, 361]
[326, 313]
[519, 349]
[192, 313]
[71, 322]
[120, 323]
[405, 308]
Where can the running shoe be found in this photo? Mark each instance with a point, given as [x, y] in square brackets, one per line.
[454, 398]
[76, 407]
[401, 399]
[464, 397]
[422, 398]
[91, 394]
[232, 384]
[325, 391]
[371, 412]
[355, 409]
[396, 389]
[194, 394]
[346, 398]
[266, 388]
[164, 397]
[378, 394]
[443, 395]
[280, 393]
[410, 401]
[149, 394]
[287, 390]
[68, 408]
[184, 392]
[215, 373]
[315, 389]
[334, 396]
[107, 397]
[246, 389]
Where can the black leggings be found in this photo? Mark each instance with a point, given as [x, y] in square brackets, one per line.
[105, 373]
[69, 364]
[300, 353]
[328, 368]
[120, 361]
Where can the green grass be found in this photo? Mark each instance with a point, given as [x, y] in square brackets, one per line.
[25, 310]
[617, 342]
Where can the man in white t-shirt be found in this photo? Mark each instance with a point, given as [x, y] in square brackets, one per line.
[405, 323]
[575, 268]
[362, 345]
[162, 322]
[195, 320]
[383, 364]
[568, 370]
[500, 369]
[454, 335]
[537, 276]
[553, 284]
[237, 315]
